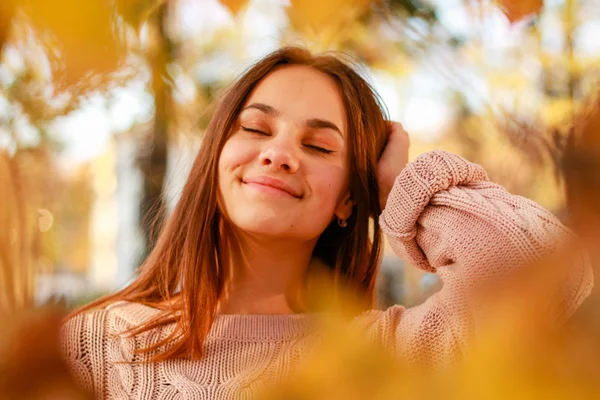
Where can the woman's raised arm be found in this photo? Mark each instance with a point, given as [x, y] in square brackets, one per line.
[444, 216]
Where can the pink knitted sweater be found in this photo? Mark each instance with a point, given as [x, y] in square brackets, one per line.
[443, 215]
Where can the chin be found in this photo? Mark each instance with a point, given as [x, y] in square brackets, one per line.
[266, 226]
[277, 227]
[276, 221]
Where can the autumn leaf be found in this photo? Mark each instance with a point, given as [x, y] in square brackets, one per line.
[516, 10]
[82, 33]
[234, 6]
[315, 17]
[32, 362]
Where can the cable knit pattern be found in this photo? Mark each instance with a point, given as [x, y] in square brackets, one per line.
[442, 215]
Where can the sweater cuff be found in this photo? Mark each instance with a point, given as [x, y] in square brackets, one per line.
[413, 189]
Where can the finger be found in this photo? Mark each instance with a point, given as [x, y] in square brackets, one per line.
[396, 130]
[389, 127]
[394, 126]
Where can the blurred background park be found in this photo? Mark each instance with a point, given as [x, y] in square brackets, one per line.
[103, 106]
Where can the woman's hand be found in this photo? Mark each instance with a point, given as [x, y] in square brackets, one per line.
[393, 159]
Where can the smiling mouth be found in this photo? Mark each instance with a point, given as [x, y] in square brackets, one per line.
[271, 186]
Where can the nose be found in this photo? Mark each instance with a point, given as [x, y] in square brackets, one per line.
[279, 155]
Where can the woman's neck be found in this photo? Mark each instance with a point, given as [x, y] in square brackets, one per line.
[267, 277]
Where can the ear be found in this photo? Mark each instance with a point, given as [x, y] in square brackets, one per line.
[344, 208]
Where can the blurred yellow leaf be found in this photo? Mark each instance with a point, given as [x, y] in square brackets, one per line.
[516, 10]
[82, 33]
[319, 17]
[234, 6]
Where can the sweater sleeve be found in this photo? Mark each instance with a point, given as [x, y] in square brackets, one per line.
[444, 216]
[83, 345]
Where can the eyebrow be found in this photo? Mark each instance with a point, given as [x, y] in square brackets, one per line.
[264, 108]
[313, 123]
[316, 123]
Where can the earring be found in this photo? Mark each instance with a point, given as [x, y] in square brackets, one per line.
[342, 222]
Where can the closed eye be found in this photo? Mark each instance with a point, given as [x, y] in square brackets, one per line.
[254, 131]
[309, 146]
[319, 149]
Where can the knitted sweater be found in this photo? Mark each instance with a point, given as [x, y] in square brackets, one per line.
[442, 215]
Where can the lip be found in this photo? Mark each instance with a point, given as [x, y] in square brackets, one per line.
[273, 183]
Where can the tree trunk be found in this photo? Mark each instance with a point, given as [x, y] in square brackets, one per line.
[569, 41]
[153, 154]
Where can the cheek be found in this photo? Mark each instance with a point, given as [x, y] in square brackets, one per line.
[329, 184]
[235, 153]
[233, 156]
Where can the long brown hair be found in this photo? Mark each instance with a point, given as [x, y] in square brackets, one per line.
[186, 272]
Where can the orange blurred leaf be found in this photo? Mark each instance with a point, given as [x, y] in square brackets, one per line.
[31, 358]
[516, 10]
[316, 15]
[234, 6]
[82, 32]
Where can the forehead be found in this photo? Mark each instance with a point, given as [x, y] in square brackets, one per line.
[300, 92]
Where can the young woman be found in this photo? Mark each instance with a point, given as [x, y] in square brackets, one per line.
[295, 169]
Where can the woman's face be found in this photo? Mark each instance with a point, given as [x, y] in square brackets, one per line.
[283, 172]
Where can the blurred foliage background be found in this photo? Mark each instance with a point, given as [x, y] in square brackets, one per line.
[102, 108]
[103, 105]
